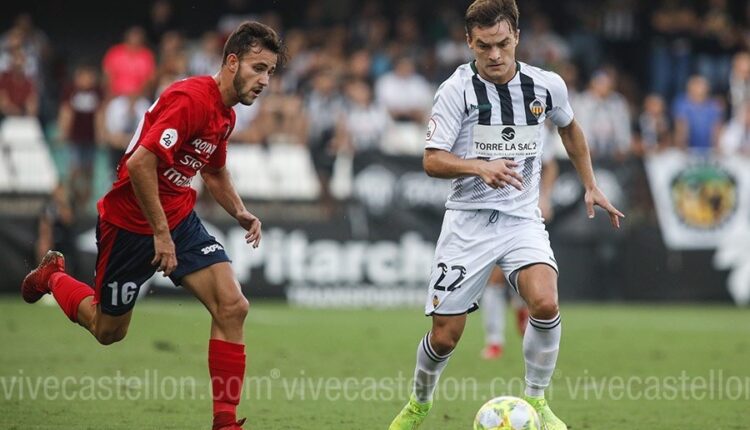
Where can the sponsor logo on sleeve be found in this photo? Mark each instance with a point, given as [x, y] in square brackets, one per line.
[168, 138]
[431, 126]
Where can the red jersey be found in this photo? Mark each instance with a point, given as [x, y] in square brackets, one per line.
[187, 128]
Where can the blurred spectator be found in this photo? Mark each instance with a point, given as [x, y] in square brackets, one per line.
[360, 66]
[365, 121]
[604, 116]
[274, 118]
[453, 51]
[161, 20]
[129, 66]
[654, 130]
[173, 62]
[56, 228]
[79, 124]
[244, 130]
[206, 60]
[34, 43]
[735, 138]
[620, 31]
[404, 93]
[18, 93]
[569, 73]
[739, 83]
[325, 108]
[407, 37]
[697, 118]
[715, 43]
[672, 24]
[585, 44]
[542, 47]
[301, 61]
[233, 14]
[377, 39]
[121, 118]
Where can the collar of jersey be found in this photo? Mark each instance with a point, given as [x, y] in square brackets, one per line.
[476, 72]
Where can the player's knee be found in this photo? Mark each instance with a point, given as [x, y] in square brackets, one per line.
[544, 308]
[444, 341]
[108, 337]
[233, 310]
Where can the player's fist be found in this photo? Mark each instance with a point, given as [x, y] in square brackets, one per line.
[164, 254]
[252, 224]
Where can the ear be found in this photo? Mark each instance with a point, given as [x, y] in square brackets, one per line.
[518, 36]
[232, 62]
[468, 38]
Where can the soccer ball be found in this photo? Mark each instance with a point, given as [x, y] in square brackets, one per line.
[507, 413]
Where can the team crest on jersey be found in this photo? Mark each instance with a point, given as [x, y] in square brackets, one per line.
[537, 108]
[435, 301]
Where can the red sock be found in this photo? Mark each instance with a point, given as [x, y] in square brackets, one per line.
[69, 293]
[226, 365]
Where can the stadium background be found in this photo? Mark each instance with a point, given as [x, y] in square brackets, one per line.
[341, 108]
[352, 102]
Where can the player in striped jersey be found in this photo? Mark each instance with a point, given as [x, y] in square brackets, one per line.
[485, 133]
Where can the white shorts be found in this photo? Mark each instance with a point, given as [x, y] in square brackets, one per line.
[471, 242]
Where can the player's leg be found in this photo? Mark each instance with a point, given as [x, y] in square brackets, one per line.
[122, 266]
[532, 271]
[521, 311]
[433, 353]
[464, 258]
[216, 287]
[204, 269]
[107, 329]
[537, 284]
[493, 315]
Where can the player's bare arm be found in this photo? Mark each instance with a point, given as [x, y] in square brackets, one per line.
[496, 173]
[142, 170]
[219, 184]
[578, 152]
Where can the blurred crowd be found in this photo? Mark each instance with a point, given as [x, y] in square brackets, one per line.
[643, 76]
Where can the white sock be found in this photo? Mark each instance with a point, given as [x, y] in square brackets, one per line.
[429, 367]
[493, 315]
[541, 344]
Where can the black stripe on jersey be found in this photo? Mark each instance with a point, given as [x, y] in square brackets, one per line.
[549, 101]
[482, 100]
[527, 87]
[506, 104]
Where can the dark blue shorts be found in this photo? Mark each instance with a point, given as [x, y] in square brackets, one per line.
[123, 263]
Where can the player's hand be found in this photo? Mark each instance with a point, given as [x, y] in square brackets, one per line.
[252, 224]
[499, 173]
[164, 254]
[595, 197]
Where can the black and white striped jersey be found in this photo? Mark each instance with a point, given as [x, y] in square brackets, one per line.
[474, 118]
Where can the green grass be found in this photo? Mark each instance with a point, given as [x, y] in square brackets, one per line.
[365, 352]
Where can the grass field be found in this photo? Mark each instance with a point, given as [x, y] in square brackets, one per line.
[621, 367]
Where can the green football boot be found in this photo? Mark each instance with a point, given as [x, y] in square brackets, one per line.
[549, 419]
[411, 417]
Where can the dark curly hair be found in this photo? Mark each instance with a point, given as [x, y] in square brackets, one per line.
[251, 34]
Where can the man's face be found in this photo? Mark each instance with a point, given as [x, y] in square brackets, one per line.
[253, 72]
[495, 50]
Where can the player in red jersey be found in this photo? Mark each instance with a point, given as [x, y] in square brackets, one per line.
[147, 224]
